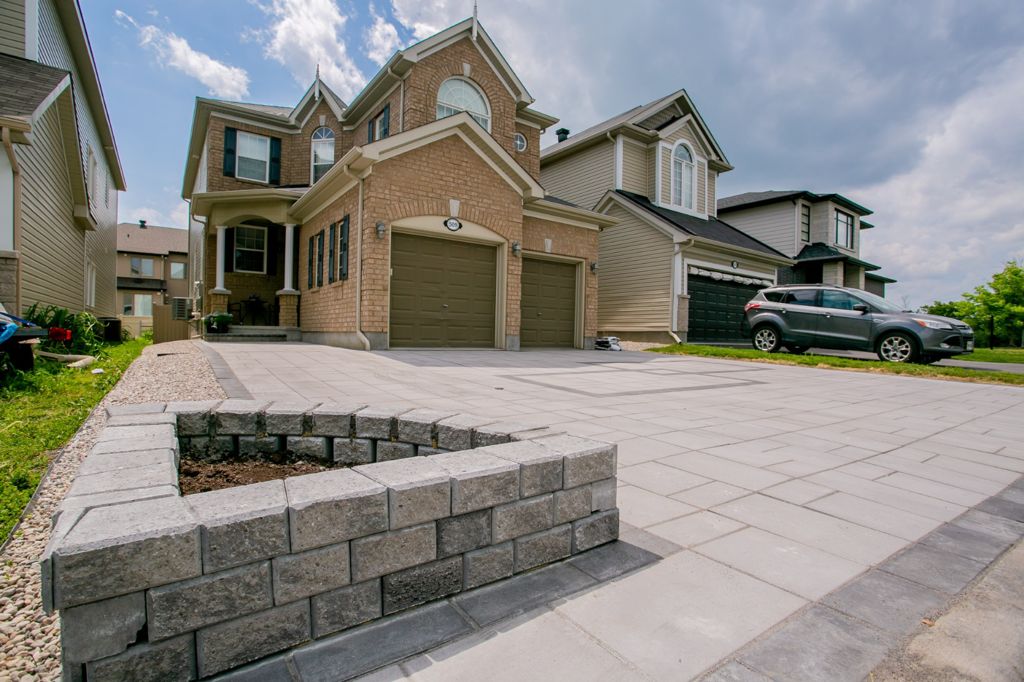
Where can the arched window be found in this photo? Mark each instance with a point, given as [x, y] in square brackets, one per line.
[682, 177]
[458, 94]
[322, 152]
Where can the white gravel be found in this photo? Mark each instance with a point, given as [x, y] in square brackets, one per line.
[640, 345]
[30, 639]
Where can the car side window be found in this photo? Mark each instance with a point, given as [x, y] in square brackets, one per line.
[801, 297]
[773, 296]
[838, 299]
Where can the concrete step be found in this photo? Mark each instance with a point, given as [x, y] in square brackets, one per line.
[266, 337]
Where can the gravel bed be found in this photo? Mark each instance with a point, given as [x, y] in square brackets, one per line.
[640, 345]
[30, 639]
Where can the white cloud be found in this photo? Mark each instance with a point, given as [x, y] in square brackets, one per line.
[306, 33]
[230, 82]
[426, 17]
[381, 39]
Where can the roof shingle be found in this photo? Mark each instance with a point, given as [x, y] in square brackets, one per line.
[25, 85]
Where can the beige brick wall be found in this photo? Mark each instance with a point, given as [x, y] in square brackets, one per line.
[332, 307]
[567, 240]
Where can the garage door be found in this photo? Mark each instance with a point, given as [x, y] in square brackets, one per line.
[442, 293]
[548, 303]
[716, 309]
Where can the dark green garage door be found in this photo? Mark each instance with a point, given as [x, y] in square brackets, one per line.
[716, 309]
[442, 293]
[548, 303]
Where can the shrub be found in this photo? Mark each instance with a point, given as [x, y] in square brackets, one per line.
[85, 331]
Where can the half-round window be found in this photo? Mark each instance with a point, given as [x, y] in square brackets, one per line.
[458, 94]
[682, 177]
[520, 142]
[322, 155]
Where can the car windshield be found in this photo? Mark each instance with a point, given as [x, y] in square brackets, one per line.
[878, 302]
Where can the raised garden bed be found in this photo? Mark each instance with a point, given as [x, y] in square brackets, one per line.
[416, 505]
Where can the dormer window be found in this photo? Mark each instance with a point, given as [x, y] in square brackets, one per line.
[458, 94]
[322, 152]
[682, 177]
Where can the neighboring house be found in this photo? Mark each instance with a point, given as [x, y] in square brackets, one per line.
[152, 269]
[670, 269]
[821, 232]
[412, 216]
[59, 168]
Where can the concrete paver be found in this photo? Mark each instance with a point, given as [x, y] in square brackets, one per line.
[843, 469]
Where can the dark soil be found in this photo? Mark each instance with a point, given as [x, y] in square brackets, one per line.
[201, 477]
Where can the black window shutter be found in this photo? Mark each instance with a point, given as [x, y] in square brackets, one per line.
[309, 265]
[343, 256]
[230, 141]
[275, 161]
[229, 249]
[369, 131]
[320, 258]
[331, 248]
[273, 245]
[385, 121]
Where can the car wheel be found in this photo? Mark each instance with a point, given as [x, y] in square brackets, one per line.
[797, 350]
[897, 347]
[767, 339]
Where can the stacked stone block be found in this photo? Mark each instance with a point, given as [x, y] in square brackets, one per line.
[154, 585]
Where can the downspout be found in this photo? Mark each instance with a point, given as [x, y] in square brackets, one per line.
[401, 99]
[5, 135]
[359, 270]
[196, 291]
[677, 281]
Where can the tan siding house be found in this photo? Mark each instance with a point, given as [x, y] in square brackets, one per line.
[635, 275]
[584, 178]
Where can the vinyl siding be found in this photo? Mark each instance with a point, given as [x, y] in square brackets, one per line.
[12, 27]
[822, 228]
[713, 193]
[635, 276]
[773, 224]
[652, 175]
[582, 178]
[688, 134]
[52, 245]
[702, 188]
[634, 167]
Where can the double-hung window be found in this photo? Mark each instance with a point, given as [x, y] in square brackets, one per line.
[142, 267]
[682, 177]
[379, 127]
[805, 223]
[177, 270]
[251, 250]
[844, 229]
[137, 304]
[322, 152]
[253, 157]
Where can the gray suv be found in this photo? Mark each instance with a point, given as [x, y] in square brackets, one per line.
[800, 316]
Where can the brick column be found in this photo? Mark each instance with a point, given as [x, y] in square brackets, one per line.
[288, 305]
[218, 301]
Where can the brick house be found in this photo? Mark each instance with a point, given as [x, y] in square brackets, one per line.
[412, 216]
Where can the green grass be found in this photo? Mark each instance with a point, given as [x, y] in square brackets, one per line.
[829, 362]
[40, 410]
[996, 355]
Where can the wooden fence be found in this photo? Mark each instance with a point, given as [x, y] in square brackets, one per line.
[167, 329]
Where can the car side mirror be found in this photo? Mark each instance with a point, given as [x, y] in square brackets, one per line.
[861, 307]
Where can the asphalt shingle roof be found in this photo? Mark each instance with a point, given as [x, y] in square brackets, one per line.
[24, 85]
[751, 199]
[151, 239]
[819, 251]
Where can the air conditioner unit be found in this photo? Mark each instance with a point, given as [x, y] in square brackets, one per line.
[181, 308]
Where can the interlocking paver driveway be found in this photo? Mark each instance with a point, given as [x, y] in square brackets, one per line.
[781, 483]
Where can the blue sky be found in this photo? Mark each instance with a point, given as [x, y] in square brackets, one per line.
[914, 109]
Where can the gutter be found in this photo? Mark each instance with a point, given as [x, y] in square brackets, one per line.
[5, 136]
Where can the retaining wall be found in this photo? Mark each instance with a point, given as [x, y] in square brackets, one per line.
[154, 585]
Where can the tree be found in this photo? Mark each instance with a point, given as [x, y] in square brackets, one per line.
[1000, 303]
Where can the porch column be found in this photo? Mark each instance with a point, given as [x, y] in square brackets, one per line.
[219, 288]
[289, 259]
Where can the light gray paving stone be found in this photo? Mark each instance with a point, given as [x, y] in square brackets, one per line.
[585, 460]
[287, 417]
[533, 434]
[423, 583]
[346, 607]
[797, 491]
[915, 503]
[998, 526]
[334, 419]
[819, 644]
[146, 476]
[172, 660]
[543, 547]
[353, 451]
[134, 409]
[102, 628]
[392, 551]
[376, 422]
[603, 494]
[301, 575]
[540, 468]
[870, 514]
[456, 433]
[102, 463]
[886, 601]
[425, 451]
[125, 548]
[259, 447]
[660, 478]
[695, 529]
[131, 438]
[145, 419]
[333, 506]
[479, 481]
[491, 603]
[236, 417]
[735, 672]
[242, 524]
[572, 504]
[594, 530]
[500, 432]
[243, 640]
[189, 605]
[522, 517]
[644, 509]
[488, 565]
[459, 534]
[934, 568]
[309, 447]
[419, 426]
[391, 450]
[193, 417]
[418, 489]
[612, 560]
[725, 470]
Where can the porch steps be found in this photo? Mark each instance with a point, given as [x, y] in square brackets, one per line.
[256, 334]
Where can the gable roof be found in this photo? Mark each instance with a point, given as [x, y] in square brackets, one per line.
[154, 239]
[754, 199]
[26, 86]
[643, 121]
[711, 229]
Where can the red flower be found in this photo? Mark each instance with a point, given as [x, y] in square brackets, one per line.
[59, 334]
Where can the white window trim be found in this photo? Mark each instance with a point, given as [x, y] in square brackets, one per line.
[693, 179]
[312, 156]
[238, 155]
[235, 254]
[477, 88]
[515, 142]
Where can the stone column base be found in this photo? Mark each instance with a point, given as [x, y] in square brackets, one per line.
[219, 300]
[288, 307]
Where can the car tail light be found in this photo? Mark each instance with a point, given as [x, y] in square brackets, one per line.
[751, 306]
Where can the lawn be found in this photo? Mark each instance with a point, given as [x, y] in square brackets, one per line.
[996, 355]
[830, 362]
[40, 411]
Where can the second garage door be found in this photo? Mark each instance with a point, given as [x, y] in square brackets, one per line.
[716, 309]
[442, 293]
[548, 303]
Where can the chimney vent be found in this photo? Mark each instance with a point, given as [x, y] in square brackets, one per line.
[142, 224]
[563, 134]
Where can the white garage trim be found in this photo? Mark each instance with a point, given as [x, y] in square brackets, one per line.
[690, 265]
